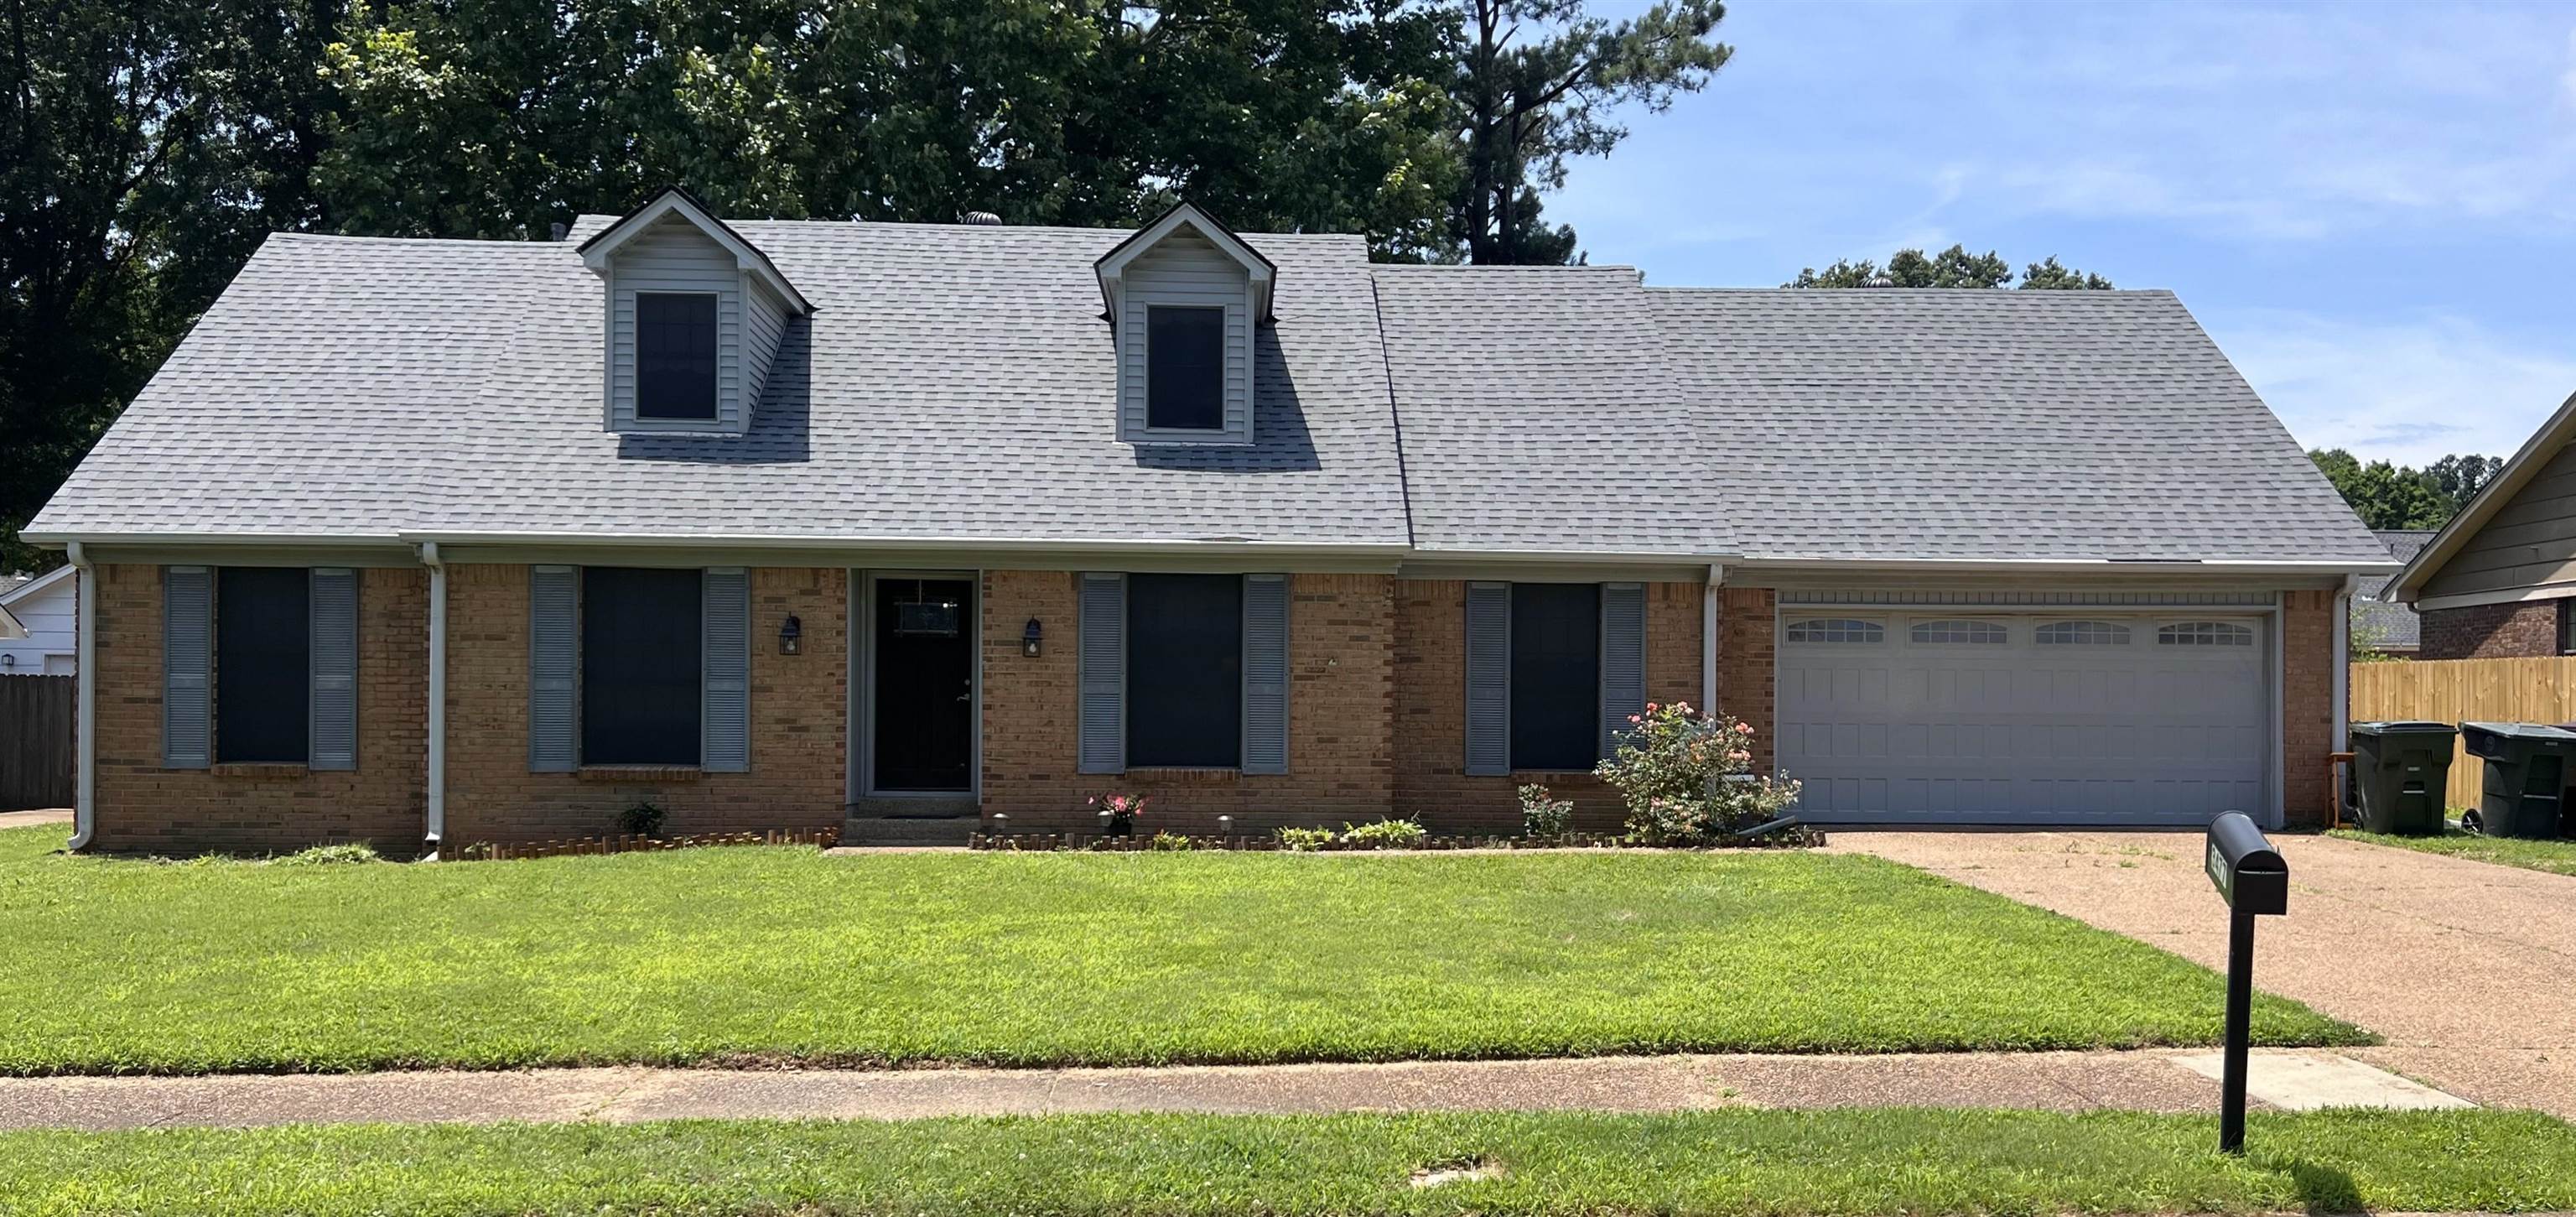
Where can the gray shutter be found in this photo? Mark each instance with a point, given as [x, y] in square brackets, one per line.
[1102, 648]
[554, 656]
[1623, 659]
[725, 717]
[1265, 673]
[1489, 679]
[334, 705]
[187, 666]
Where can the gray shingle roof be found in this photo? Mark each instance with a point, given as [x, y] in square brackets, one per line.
[955, 383]
[1931, 423]
[2383, 623]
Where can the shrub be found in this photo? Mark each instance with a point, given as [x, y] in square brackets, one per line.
[1305, 840]
[1170, 842]
[1687, 777]
[1384, 834]
[328, 855]
[644, 819]
[1543, 814]
[1121, 809]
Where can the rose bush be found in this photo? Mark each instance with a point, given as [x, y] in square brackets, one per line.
[1688, 778]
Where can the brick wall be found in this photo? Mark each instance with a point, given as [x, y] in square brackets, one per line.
[256, 809]
[799, 722]
[2491, 631]
[2307, 703]
[1340, 699]
[1431, 778]
[1747, 641]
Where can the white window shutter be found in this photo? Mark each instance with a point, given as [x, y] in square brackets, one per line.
[725, 711]
[1102, 657]
[1623, 659]
[187, 666]
[334, 704]
[554, 657]
[1489, 679]
[1265, 674]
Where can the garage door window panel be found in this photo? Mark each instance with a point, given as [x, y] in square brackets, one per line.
[2204, 634]
[1837, 631]
[2084, 634]
[1968, 633]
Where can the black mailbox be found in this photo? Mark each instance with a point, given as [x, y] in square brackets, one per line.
[2247, 871]
[2251, 877]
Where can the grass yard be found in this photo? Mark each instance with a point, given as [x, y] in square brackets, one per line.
[2556, 857]
[728, 955]
[1725, 1162]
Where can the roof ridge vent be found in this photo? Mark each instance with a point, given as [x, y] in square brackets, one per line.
[983, 219]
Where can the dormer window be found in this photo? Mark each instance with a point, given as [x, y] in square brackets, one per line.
[695, 317]
[675, 355]
[1184, 368]
[1186, 302]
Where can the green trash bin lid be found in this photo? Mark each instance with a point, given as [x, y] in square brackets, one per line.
[2529, 731]
[2405, 727]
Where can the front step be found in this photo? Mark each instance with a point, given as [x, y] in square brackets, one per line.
[911, 821]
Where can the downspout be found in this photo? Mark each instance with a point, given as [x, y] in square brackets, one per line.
[2343, 664]
[436, 827]
[85, 659]
[1708, 625]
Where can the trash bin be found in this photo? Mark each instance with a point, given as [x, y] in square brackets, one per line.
[2527, 767]
[2399, 773]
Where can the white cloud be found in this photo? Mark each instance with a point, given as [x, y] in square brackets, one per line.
[2408, 392]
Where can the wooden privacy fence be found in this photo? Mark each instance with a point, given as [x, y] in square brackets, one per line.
[2466, 690]
[36, 741]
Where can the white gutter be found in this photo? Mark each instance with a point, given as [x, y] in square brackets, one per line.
[2074, 565]
[2343, 671]
[85, 659]
[1708, 626]
[827, 541]
[436, 826]
[213, 538]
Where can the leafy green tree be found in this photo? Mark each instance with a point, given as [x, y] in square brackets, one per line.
[1536, 86]
[1952, 267]
[146, 147]
[2384, 495]
[2459, 478]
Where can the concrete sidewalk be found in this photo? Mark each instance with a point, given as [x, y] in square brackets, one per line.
[2168, 1081]
[2467, 968]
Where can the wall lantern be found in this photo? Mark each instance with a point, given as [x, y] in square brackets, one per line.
[791, 636]
[1030, 636]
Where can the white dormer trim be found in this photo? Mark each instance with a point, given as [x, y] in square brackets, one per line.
[597, 252]
[1112, 267]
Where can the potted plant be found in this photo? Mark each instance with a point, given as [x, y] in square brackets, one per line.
[1117, 813]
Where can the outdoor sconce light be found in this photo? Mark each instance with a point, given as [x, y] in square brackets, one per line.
[1225, 826]
[1030, 636]
[791, 636]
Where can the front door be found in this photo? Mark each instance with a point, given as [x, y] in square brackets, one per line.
[925, 684]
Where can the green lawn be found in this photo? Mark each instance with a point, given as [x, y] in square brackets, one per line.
[1726, 1162]
[2556, 857]
[716, 955]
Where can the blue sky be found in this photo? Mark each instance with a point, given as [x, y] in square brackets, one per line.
[2372, 207]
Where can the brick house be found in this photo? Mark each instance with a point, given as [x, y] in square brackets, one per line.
[793, 524]
[2497, 581]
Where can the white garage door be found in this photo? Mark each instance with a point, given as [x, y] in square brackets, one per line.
[2082, 717]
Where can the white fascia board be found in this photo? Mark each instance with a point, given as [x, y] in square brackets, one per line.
[1112, 267]
[2062, 566]
[35, 585]
[600, 250]
[1083, 545]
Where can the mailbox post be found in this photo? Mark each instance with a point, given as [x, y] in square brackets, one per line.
[2251, 877]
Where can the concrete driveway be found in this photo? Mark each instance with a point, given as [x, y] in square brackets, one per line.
[2468, 969]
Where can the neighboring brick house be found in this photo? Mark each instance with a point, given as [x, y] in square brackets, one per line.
[793, 524]
[2499, 580]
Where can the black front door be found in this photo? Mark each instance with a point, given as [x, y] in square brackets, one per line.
[925, 684]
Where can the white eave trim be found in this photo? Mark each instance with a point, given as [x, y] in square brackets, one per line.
[35, 585]
[599, 251]
[1112, 267]
[2094, 566]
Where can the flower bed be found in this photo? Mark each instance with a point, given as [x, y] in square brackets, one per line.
[1793, 837]
[629, 843]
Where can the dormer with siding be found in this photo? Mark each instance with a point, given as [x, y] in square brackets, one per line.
[695, 316]
[1184, 296]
